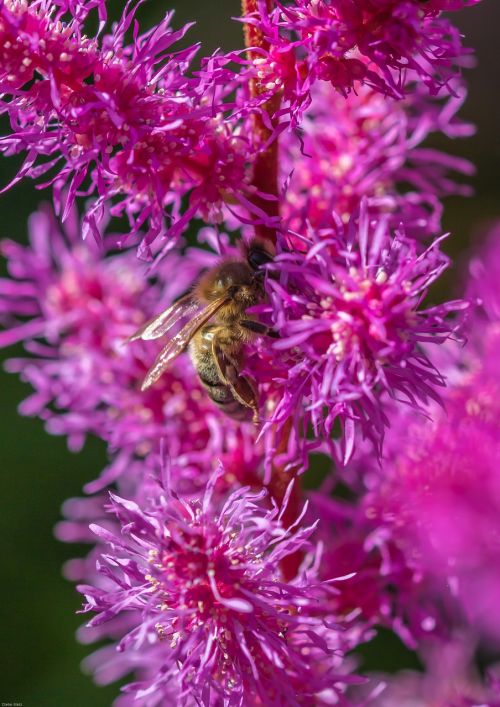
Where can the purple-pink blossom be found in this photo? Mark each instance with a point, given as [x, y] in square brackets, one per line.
[440, 498]
[438, 493]
[215, 576]
[213, 612]
[122, 123]
[352, 325]
[371, 148]
[386, 590]
[374, 42]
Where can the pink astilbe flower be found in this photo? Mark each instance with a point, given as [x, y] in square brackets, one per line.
[106, 664]
[386, 590]
[351, 323]
[440, 500]
[373, 42]
[80, 310]
[275, 66]
[209, 579]
[215, 616]
[439, 493]
[373, 145]
[122, 122]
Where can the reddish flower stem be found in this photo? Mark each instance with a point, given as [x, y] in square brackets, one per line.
[265, 171]
[278, 485]
[265, 180]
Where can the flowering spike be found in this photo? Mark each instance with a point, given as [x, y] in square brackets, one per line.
[214, 616]
[214, 577]
[125, 120]
[352, 327]
[378, 44]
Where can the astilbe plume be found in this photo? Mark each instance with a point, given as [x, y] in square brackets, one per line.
[437, 497]
[131, 125]
[216, 619]
[349, 314]
[352, 43]
[420, 528]
[210, 579]
[123, 122]
[372, 147]
[386, 590]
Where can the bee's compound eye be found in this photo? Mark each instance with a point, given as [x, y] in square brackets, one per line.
[258, 257]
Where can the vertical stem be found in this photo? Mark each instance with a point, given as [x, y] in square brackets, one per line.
[253, 36]
[265, 172]
[278, 485]
[265, 180]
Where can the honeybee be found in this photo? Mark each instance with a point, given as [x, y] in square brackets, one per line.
[217, 329]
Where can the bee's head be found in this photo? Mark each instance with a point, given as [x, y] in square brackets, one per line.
[230, 279]
[230, 275]
[240, 281]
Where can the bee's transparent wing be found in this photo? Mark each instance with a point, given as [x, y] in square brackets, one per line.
[160, 325]
[179, 342]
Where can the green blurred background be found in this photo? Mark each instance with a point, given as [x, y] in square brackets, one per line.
[39, 656]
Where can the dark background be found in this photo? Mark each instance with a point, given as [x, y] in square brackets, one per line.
[39, 656]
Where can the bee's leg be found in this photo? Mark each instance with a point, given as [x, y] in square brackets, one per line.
[240, 386]
[259, 328]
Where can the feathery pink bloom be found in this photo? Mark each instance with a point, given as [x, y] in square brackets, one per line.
[215, 617]
[385, 590]
[349, 313]
[121, 122]
[371, 147]
[191, 592]
[439, 491]
[375, 42]
[440, 498]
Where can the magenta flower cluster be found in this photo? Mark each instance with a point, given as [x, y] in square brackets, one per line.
[261, 228]
[207, 587]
